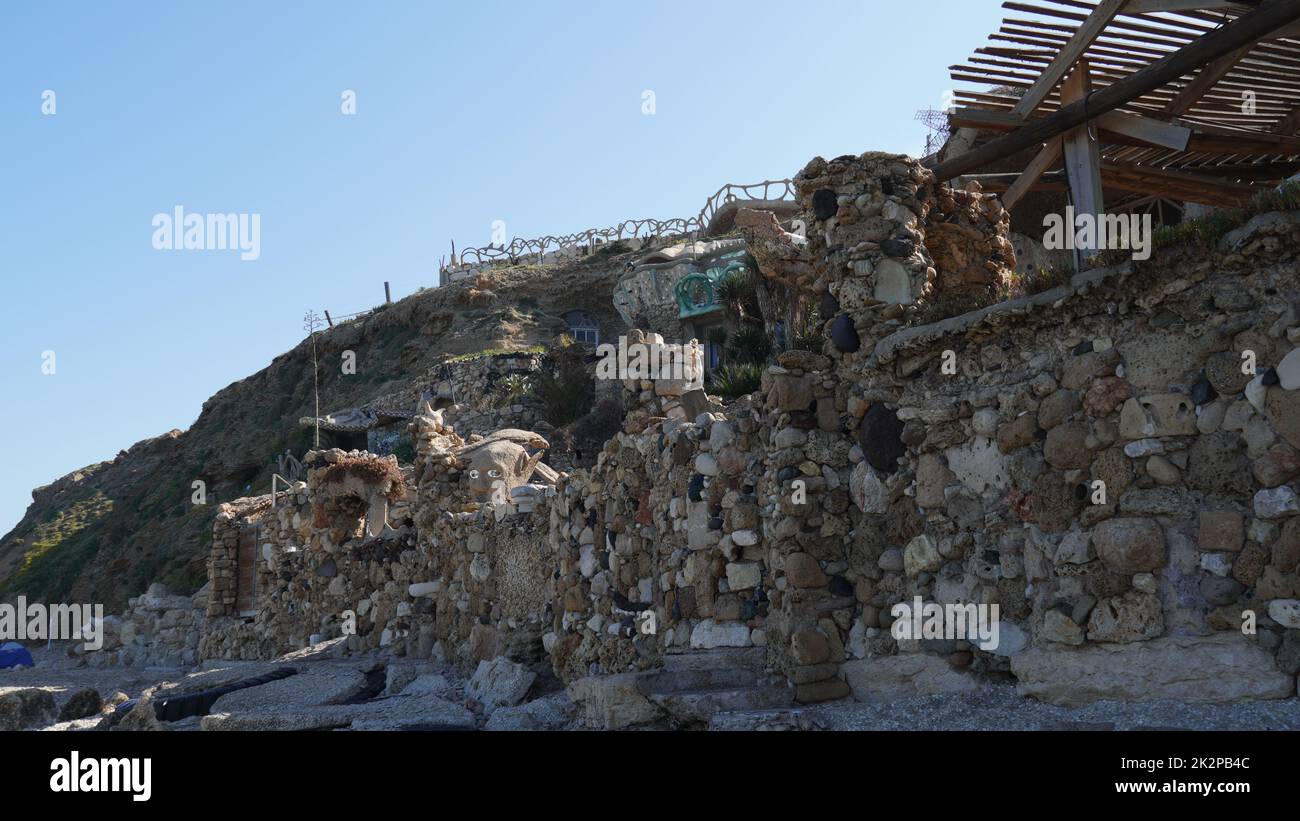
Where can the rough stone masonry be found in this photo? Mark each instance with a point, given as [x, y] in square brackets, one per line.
[1093, 459]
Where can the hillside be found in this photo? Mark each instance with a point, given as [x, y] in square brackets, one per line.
[105, 532]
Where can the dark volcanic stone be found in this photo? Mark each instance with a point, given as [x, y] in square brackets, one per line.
[881, 438]
[843, 335]
[328, 570]
[840, 586]
[824, 204]
[828, 305]
[898, 247]
[696, 489]
[803, 420]
[785, 474]
[1203, 391]
[1270, 377]
[1082, 348]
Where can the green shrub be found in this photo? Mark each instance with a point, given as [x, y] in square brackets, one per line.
[749, 344]
[733, 381]
[511, 388]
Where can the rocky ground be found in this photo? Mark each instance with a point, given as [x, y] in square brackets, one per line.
[367, 693]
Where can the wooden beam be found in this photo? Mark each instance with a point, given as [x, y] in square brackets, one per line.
[1203, 137]
[1190, 184]
[1000, 183]
[1042, 161]
[1146, 129]
[1231, 36]
[1205, 80]
[1069, 54]
[1149, 6]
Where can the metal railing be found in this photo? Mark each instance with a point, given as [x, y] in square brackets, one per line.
[645, 229]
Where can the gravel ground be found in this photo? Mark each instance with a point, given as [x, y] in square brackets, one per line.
[998, 707]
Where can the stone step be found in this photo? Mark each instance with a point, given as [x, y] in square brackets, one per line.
[676, 681]
[699, 706]
[750, 658]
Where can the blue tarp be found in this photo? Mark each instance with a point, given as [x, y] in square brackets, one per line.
[13, 654]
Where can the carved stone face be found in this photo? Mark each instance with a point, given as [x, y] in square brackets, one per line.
[497, 467]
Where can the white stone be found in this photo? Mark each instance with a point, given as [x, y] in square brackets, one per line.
[706, 464]
[587, 563]
[1285, 612]
[743, 575]
[1143, 447]
[1288, 370]
[1277, 502]
[745, 538]
[709, 634]
[868, 492]
[921, 555]
[979, 465]
[1256, 390]
[423, 589]
[1220, 564]
[892, 284]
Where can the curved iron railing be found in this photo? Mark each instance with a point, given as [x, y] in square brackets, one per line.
[646, 229]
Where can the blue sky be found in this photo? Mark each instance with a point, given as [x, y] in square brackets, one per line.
[467, 113]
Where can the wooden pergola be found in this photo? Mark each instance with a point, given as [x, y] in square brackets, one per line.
[1186, 100]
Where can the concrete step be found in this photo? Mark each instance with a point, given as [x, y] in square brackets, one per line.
[749, 658]
[699, 706]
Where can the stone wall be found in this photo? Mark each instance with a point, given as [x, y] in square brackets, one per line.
[1092, 460]
[158, 629]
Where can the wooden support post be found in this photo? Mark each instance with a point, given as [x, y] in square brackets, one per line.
[1082, 156]
[327, 319]
[388, 296]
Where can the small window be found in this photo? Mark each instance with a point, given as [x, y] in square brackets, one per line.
[582, 327]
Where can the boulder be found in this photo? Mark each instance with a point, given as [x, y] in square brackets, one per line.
[24, 707]
[612, 702]
[1130, 545]
[499, 683]
[1205, 670]
[882, 679]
